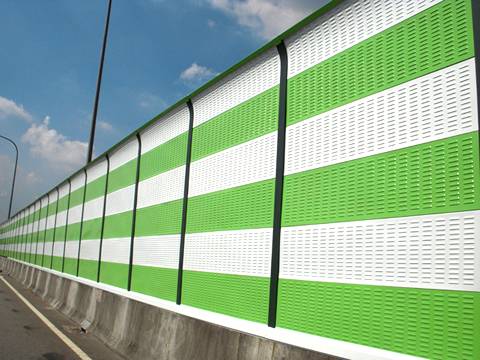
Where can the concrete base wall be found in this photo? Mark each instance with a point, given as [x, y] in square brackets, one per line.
[141, 331]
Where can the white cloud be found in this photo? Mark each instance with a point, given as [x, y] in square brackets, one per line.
[55, 148]
[195, 73]
[105, 126]
[211, 23]
[267, 18]
[8, 108]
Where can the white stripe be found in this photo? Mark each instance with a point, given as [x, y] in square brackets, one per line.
[243, 164]
[97, 170]
[90, 250]
[159, 251]
[58, 248]
[124, 154]
[432, 107]
[241, 252]
[93, 209]
[79, 352]
[48, 249]
[77, 181]
[120, 201]
[75, 214]
[346, 25]
[116, 250]
[324, 345]
[61, 218]
[253, 78]
[430, 252]
[166, 128]
[71, 249]
[167, 186]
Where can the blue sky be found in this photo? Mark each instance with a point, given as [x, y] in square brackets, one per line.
[158, 52]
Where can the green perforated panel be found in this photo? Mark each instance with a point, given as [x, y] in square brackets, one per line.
[429, 41]
[245, 297]
[428, 323]
[161, 219]
[436, 177]
[155, 281]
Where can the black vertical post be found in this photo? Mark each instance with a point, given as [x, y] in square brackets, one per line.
[99, 84]
[66, 224]
[277, 215]
[54, 226]
[45, 230]
[81, 221]
[102, 227]
[185, 203]
[134, 213]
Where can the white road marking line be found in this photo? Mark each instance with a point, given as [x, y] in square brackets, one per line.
[47, 322]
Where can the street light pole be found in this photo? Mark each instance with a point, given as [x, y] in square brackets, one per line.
[99, 83]
[14, 172]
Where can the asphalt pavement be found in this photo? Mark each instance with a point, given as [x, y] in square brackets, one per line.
[23, 336]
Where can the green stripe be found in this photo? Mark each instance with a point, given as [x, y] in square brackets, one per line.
[63, 204]
[73, 232]
[164, 157]
[118, 225]
[244, 207]
[70, 266]
[95, 189]
[437, 177]
[76, 197]
[429, 41]
[161, 219]
[245, 297]
[122, 176]
[87, 269]
[155, 281]
[253, 118]
[428, 323]
[114, 274]
[92, 229]
[57, 263]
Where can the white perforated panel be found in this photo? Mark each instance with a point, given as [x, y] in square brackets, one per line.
[75, 214]
[241, 252]
[90, 250]
[253, 78]
[116, 250]
[433, 251]
[166, 128]
[246, 163]
[48, 248]
[78, 181]
[346, 25]
[93, 209]
[58, 248]
[167, 186]
[160, 251]
[71, 249]
[63, 190]
[432, 107]
[124, 154]
[61, 218]
[120, 201]
[51, 218]
[97, 170]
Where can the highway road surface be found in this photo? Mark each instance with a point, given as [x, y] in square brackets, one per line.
[24, 336]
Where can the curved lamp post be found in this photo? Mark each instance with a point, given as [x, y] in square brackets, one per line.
[14, 172]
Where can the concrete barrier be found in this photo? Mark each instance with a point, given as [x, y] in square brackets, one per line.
[141, 331]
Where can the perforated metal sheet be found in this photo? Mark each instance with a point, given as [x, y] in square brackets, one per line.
[75, 214]
[253, 78]
[90, 250]
[241, 252]
[93, 209]
[124, 154]
[58, 249]
[432, 107]
[166, 128]
[159, 251]
[78, 181]
[345, 26]
[243, 164]
[167, 186]
[120, 201]
[51, 218]
[71, 249]
[96, 170]
[116, 250]
[432, 251]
